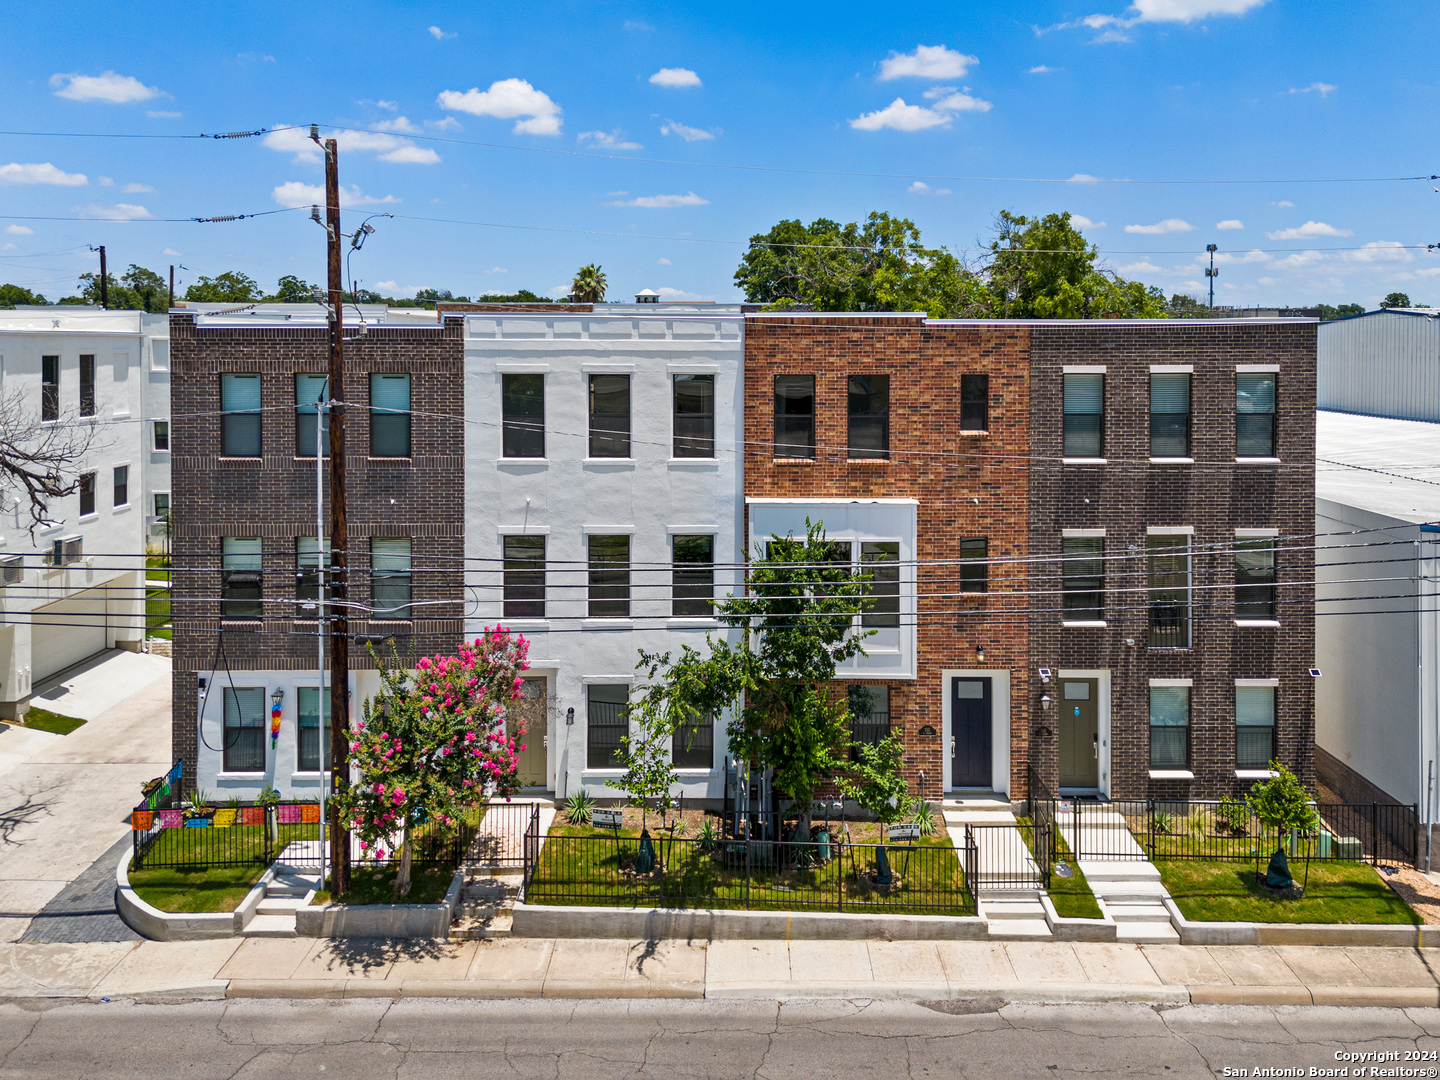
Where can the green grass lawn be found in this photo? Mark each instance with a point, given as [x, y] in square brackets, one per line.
[55, 723]
[1072, 896]
[157, 613]
[593, 868]
[375, 885]
[196, 888]
[1337, 892]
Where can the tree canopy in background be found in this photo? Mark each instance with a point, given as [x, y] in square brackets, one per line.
[589, 285]
[231, 287]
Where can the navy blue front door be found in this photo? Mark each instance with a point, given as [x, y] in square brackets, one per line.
[970, 733]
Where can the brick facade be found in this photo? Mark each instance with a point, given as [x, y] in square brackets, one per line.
[967, 483]
[273, 497]
[1216, 496]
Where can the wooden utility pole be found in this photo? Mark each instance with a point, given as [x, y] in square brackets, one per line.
[339, 538]
[104, 281]
[172, 285]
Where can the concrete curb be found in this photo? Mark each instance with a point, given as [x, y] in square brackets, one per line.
[381, 920]
[708, 924]
[1393, 935]
[208, 990]
[150, 922]
[1068, 929]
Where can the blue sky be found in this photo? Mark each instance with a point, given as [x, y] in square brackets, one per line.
[1172, 90]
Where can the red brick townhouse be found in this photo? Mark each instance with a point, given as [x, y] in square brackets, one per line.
[1103, 565]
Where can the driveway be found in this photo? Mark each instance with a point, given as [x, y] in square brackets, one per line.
[65, 800]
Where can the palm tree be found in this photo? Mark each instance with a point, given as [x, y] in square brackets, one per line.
[588, 286]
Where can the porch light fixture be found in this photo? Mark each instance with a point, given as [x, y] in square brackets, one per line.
[980, 653]
[1045, 702]
[278, 696]
[570, 717]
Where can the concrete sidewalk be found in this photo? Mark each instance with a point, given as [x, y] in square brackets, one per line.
[578, 968]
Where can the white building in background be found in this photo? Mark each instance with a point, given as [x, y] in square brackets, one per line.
[603, 459]
[76, 586]
[1382, 363]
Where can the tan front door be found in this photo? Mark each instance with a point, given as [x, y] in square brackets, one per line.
[531, 710]
[1080, 733]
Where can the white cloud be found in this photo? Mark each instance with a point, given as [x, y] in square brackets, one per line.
[19, 230]
[1308, 230]
[607, 140]
[664, 202]
[1283, 203]
[1302, 258]
[902, 117]
[1144, 266]
[172, 252]
[1230, 223]
[10, 247]
[926, 62]
[123, 211]
[1080, 221]
[1040, 69]
[1169, 225]
[107, 86]
[104, 181]
[411, 154]
[445, 123]
[496, 270]
[298, 193]
[685, 131]
[667, 293]
[390, 105]
[137, 189]
[1083, 178]
[16, 174]
[675, 78]
[1227, 258]
[254, 58]
[1380, 251]
[400, 123]
[662, 261]
[162, 114]
[1323, 89]
[635, 25]
[441, 35]
[919, 187]
[1113, 28]
[508, 99]
[388, 286]
[390, 148]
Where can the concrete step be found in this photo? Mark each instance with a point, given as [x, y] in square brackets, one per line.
[1118, 870]
[1146, 933]
[1019, 930]
[271, 926]
[292, 883]
[1137, 913]
[282, 905]
[1129, 890]
[979, 817]
[1010, 908]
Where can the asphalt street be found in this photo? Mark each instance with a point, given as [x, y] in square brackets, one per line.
[598, 1040]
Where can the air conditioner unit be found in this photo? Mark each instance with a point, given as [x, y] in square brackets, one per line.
[67, 550]
[12, 568]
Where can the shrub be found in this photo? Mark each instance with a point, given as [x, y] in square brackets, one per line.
[578, 807]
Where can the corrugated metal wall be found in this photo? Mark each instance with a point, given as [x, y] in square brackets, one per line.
[1385, 364]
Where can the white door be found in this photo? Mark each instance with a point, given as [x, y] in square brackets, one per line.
[66, 632]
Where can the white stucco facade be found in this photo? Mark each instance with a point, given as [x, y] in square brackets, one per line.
[58, 615]
[568, 496]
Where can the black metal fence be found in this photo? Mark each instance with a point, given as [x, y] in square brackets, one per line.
[754, 875]
[1012, 856]
[499, 837]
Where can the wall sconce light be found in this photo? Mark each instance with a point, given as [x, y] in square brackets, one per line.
[1045, 702]
[980, 653]
[570, 717]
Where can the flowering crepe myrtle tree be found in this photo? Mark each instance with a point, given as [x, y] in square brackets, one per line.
[432, 742]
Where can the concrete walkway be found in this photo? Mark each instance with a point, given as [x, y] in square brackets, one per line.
[578, 968]
[1126, 884]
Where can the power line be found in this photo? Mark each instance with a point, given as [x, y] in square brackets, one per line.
[153, 220]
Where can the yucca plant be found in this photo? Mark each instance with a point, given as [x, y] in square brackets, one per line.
[578, 807]
[922, 813]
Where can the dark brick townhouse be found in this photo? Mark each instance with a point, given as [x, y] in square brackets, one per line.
[243, 478]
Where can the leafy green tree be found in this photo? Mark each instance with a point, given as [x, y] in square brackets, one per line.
[875, 782]
[13, 295]
[649, 779]
[1043, 268]
[877, 265]
[292, 290]
[524, 296]
[776, 683]
[1181, 306]
[231, 287]
[589, 285]
[1395, 299]
[149, 289]
[1342, 311]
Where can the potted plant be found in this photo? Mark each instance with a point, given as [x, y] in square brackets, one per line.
[196, 813]
[1283, 804]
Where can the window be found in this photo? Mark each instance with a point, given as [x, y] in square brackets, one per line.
[605, 726]
[1085, 415]
[244, 737]
[610, 416]
[312, 713]
[50, 388]
[309, 393]
[1169, 559]
[609, 577]
[692, 576]
[1255, 414]
[974, 572]
[974, 402]
[162, 505]
[162, 436]
[307, 576]
[522, 411]
[87, 494]
[240, 577]
[869, 715]
[882, 562]
[240, 415]
[1254, 726]
[389, 415]
[1082, 586]
[524, 577]
[869, 417]
[1255, 579]
[694, 416]
[1169, 727]
[87, 384]
[1169, 414]
[693, 744]
[122, 486]
[795, 416]
[390, 577]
